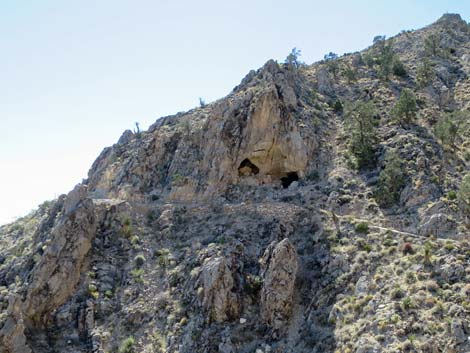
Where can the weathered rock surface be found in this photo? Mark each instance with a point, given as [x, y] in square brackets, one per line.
[220, 300]
[257, 123]
[279, 269]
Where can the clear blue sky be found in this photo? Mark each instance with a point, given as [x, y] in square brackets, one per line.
[75, 74]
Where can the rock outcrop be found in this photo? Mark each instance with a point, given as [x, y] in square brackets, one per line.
[279, 269]
[258, 124]
[219, 298]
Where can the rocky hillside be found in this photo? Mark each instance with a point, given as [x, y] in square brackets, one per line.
[316, 208]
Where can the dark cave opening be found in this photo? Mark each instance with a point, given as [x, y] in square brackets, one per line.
[247, 168]
[289, 179]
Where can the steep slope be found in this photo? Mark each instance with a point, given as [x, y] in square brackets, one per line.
[248, 225]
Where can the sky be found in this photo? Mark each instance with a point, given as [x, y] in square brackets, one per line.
[75, 74]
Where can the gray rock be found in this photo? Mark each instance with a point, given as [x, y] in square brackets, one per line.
[279, 270]
[218, 299]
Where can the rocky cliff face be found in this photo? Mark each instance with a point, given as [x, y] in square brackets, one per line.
[247, 226]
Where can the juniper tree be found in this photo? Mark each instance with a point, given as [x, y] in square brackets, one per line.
[363, 132]
[293, 58]
[405, 108]
[425, 73]
[332, 63]
[391, 180]
[447, 128]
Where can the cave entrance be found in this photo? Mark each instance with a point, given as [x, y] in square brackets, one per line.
[247, 168]
[289, 179]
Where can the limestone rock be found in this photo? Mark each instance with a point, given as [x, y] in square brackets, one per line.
[279, 269]
[437, 224]
[55, 276]
[218, 298]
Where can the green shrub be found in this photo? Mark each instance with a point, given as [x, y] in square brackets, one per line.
[452, 195]
[362, 227]
[127, 346]
[464, 194]
[137, 275]
[428, 248]
[405, 108]
[177, 180]
[408, 303]
[338, 106]
[398, 68]
[397, 293]
[127, 227]
[139, 260]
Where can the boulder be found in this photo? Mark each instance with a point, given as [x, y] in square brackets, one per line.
[219, 300]
[279, 269]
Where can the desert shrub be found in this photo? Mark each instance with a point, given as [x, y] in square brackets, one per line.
[338, 106]
[127, 346]
[362, 227]
[397, 293]
[398, 68]
[139, 260]
[428, 248]
[137, 274]
[405, 108]
[363, 139]
[464, 194]
[408, 303]
[407, 249]
[177, 180]
[253, 284]
[452, 195]
[127, 227]
[391, 181]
